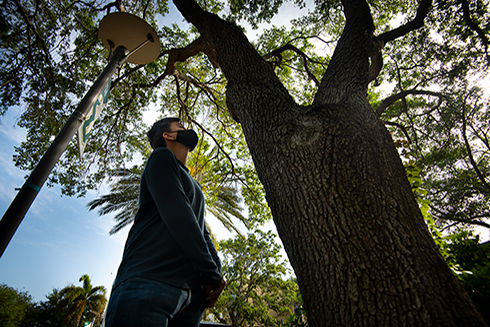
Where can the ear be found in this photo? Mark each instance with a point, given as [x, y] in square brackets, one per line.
[168, 136]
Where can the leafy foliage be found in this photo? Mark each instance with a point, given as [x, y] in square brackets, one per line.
[51, 53]
[471, 260]
[256, 292]
[52, 314]
[70, 306]
[16, 308]
[439, 109]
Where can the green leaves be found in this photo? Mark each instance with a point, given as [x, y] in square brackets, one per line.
[16, 307]
[256, 286]
[470, 260]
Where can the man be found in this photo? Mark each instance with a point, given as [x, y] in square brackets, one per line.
[170, 270]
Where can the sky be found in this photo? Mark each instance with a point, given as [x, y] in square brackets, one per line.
[59, 240]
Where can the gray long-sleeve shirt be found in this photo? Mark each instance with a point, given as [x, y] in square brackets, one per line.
[169, 241]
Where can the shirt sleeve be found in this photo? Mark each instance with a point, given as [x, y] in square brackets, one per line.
[165, 185]
[211, 248]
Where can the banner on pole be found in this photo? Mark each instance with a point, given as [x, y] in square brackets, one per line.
[86, 126]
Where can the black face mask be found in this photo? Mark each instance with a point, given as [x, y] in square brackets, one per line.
[187, 137]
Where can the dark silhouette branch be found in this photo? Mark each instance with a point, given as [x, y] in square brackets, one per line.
[174, 56]
[470, 152]
[117, 4]
[403, 128]
[145, 8]
[472, 25]
[470, 221]
[412, 25]
[7, 82]
[39, 39]
[402, 95]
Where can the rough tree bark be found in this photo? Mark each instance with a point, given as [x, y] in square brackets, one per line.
[336, 186]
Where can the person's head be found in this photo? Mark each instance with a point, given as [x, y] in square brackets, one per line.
[155, 134]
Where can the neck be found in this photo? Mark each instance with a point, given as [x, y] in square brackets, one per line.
[179, 151]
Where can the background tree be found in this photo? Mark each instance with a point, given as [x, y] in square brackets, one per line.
[52, 314]
[84, 303]
[334, 182]
[471, 261]
[257, 291]
[17, 309]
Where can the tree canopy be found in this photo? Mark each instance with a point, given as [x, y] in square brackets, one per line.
[51, 53]
[305, 103]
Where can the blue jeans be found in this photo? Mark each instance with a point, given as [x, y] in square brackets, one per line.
[146, 303]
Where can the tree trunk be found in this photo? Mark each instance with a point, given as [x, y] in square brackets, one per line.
[337, 189]
[351, 227]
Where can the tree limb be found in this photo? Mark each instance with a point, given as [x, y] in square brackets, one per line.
[470, 152]
[403, 128]
[38, 37]
[348, 69]
[412, 25]
[392, 99]
[472, 25]
[245, 69]
[174, 56]
[470, 221]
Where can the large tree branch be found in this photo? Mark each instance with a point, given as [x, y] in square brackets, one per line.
[174, 56]
[403, 128]
[236, 56]
[472, 25]
[412, 25]
[116, 4]
[402, 95]
[470, 221]
[348, 70]
[253, 86]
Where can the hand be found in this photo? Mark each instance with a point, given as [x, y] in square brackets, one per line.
[213, 292]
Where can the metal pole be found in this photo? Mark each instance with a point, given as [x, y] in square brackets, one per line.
[22, 202]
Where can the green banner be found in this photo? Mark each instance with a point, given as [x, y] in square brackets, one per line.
[87, 125]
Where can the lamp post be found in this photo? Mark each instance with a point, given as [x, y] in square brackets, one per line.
[118, 32]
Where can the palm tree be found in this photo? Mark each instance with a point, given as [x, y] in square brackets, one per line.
[86, 301]
[222, 199]
[123, 198]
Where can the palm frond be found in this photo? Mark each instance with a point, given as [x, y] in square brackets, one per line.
[222, 201]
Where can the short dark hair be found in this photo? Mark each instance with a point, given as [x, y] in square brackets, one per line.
[155, 134]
